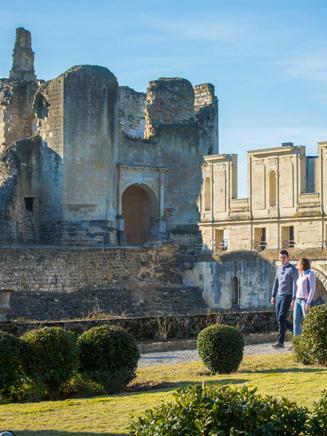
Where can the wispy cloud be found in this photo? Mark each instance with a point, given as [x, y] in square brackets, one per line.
[199, 29]
[306, 64]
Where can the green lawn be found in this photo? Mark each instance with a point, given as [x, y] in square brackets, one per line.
[276, 375]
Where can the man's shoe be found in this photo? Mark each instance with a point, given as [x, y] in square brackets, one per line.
[278, 345]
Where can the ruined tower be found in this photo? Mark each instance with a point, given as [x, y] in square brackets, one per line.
[17, 93]
[23, 57]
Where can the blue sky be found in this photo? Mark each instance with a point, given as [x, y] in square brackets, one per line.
[266, 58]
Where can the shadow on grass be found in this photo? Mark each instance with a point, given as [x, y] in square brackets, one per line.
[164, 386]
[63, 433]
[281, 370]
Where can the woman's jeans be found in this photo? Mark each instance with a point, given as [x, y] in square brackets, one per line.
[299, 314]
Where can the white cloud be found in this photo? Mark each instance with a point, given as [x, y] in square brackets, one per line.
[306, 65]
[199, 29]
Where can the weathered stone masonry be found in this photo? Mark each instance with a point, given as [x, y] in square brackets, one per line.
[113, 154]
[65, 283]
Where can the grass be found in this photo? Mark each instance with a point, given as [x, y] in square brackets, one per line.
[276, 375]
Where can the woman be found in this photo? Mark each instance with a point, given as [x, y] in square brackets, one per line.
[306, 285]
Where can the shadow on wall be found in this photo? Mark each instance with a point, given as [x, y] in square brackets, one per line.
[237, 280]
[30, 190]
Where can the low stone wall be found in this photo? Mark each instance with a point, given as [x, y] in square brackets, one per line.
[58, 283]
[163, 328]
[47, 269]
[55, 269]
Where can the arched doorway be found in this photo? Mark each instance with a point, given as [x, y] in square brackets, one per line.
[140, 210]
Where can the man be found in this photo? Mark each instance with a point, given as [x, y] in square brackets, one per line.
[284, 289]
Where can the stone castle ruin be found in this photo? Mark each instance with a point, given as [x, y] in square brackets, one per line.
[117, 202]
[88, 162]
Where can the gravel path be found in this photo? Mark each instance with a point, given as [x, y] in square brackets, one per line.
[181, 356]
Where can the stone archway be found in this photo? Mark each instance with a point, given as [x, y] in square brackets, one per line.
[140, 212]
[320, 296]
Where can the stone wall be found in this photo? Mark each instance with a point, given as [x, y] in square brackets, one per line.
[244, 279]
[28, 183]
[169, 101]
[131, 112]
[16, 111]
[60, 283]
[50, 114]
[78, 119]
[17, 93]
[206, 109]
[236, 279]
[23, 57]
[176, 147]
[55, 283]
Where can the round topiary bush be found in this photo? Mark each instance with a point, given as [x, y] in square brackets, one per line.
[311, 346]
[109, 355]
[318, 418]
[11, 354]
[221, 411]
[52, 356]
[221, 348]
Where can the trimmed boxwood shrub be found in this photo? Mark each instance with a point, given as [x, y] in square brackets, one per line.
[221, 411]
[318, 420]
[109, 355]
[311, 346]
[52, 356]
[11, 354]
[221, 348]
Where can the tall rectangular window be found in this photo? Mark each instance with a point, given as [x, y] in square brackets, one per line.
[260, 240]
[288, 238]
[272, 189]
[207, 194]
[29, 203]
[221, 241]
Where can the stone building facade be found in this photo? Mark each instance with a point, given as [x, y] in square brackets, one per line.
[286, 206]
[85, 161]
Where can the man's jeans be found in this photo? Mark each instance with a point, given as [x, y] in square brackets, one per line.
[298, 315]
[283, 303]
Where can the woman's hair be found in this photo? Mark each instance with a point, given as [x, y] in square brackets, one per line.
[303, 264]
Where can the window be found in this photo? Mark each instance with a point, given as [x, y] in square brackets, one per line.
[221, 241]
[291, 244]
[207, 193]
[272, 189]
[260, 240]
[288, 240]
[29, 203]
